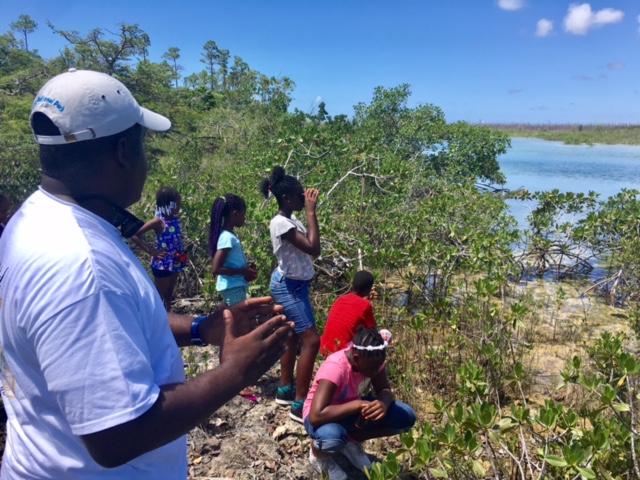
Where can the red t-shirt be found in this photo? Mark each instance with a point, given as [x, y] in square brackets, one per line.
[346, 314]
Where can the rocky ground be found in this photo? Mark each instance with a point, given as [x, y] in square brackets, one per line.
[258, 440]
[245, 439]
[252, 440]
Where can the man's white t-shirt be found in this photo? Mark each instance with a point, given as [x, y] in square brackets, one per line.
[292, 262]
[86, 344]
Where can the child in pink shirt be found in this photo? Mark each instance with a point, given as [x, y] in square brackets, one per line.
[335, 416]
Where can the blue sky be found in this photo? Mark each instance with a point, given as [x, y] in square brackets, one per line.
[529, 61]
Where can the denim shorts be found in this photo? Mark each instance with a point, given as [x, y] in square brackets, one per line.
[293, 295]
[332, 437]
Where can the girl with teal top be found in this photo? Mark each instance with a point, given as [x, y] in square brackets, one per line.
[229, 261]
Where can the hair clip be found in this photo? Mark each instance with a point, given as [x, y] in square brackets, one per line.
[224, 199]
[370, 348]
[166, 210]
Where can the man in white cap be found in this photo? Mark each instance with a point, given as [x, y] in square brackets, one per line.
[92, 376]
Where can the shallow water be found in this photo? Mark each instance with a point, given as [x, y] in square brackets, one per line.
[540, 165]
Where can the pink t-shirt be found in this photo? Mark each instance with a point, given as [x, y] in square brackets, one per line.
[337, 369]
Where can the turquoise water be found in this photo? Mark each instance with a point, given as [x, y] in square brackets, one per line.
[539, 165]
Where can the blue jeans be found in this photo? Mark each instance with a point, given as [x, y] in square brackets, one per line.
[293, 295]
[332, 437]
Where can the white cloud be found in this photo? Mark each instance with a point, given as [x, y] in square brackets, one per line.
[513, 91]
[318, 101]
[511, 4]
[638, 22]
[615, 65]
[580, 18]
[544, 28]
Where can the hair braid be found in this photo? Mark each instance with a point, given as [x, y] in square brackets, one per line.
[221, 208]
[369, 337]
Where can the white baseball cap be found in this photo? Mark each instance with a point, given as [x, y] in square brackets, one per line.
[84, 105]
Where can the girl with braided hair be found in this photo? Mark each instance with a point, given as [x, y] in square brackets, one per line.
[294, 246]
[335, 416]
[168, 258]
[229, 261]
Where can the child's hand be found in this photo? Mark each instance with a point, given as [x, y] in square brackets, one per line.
[373, 294]
[250, 273]
[311, 199]
[375, 410]
[154, 252]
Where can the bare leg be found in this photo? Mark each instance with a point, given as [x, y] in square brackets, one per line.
[306, 362]
[165, 286]
[288, 361]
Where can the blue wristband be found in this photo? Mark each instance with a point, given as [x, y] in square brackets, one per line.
[195, 331]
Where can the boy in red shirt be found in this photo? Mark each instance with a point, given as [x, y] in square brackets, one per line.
[347, 313]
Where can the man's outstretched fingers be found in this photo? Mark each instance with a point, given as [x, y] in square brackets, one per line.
[275, 324]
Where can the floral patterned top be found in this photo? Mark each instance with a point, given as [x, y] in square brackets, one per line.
[170, 240]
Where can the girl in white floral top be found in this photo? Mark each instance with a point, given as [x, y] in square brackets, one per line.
[294, 246]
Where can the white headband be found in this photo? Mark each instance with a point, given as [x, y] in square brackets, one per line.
[370, 348]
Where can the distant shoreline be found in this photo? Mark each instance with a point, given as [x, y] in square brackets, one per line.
[573, 134]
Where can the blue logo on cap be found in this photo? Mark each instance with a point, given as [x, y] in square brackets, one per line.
[50, 101]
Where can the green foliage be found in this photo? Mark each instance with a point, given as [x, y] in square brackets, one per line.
[476, 440]
[399, 197]
[576, 134]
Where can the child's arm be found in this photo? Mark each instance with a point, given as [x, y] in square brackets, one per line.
[218, 267]
[369, 319]
[377, 409]
[322, 411]
[311, 243]
[157, 226]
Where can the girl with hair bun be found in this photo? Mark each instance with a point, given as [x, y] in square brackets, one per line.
[294, 246]
[229, 261]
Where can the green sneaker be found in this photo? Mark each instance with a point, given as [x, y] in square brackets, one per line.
[285, 395]
[296, 411]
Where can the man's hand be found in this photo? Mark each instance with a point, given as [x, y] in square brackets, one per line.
[246, 316]
[252, 354]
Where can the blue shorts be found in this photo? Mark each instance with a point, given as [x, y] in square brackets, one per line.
[293, 295]
[234, 295]
[332, 437]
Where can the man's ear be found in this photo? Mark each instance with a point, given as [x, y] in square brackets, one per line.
[123, 153]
